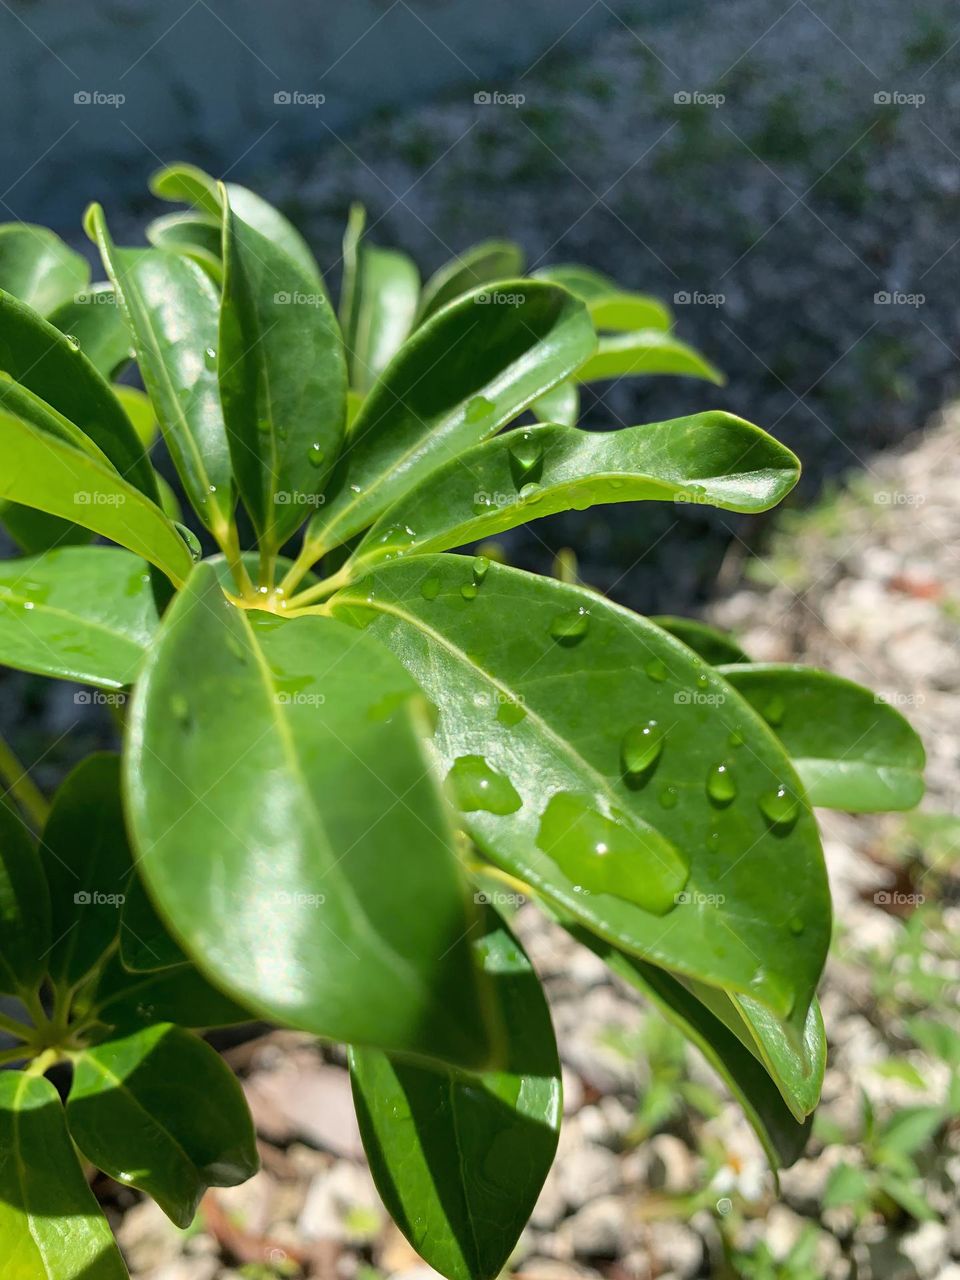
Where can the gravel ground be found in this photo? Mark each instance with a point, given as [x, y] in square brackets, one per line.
[657, 1175]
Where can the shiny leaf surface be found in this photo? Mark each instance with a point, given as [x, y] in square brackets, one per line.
[479, 265]
[645, 351]
[38, 268]
[378, 303]
[93, 319]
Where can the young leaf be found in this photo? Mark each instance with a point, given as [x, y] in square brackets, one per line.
[195, 235]
[610, 306]
[50, 1224]
[851, 749]
[609, 732]
[378, 303]
[560, 404]
[139, 409]
[24, 907]
[713, 646]
[38, 268]
[79, 613]
[328, 896]
[93, 319]
[460, 1159]
[645, 351]
[283, 380]
[55, 477]
[87, 862]
[159, 1110]
[483, 263]
[171, 310]
[528, 473]
[461, 377]
[46, 362]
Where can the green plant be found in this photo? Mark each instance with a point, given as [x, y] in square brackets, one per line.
[335, 767]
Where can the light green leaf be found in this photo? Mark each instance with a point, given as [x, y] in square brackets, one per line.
[44, 472]
[38, 268]
[532, 472]
[50, 1224]
[171, 310]
[80, 613]
[560, 404]
[139, 409]
[610, 306]
[459, 1159]
[283, 380]
[555, 688]
[910, 1129]
[645, 351]
[195, 235]
[462, 376]
[93, 319]
[713, 646]
[378, 303]
[846, 1185]
[158, 1109]
[24, 907]
[851, 748]
[329, 896]
[479, 265]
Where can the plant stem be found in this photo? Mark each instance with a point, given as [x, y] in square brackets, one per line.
[20, 1029]
[310, 553]
[320, 590]
[22, 787]
[43, 1061]
[14, 1055]
[229, 542]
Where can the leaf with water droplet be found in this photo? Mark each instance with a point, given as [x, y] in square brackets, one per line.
[571, 626]
[477, 786]
[721, 785]
[640, 749]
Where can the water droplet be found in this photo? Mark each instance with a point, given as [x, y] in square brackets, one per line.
[640, 749]
[480, 566]
[795, 925]
[669, 797]
[482, 504]
[526, 457]
[656, 670]
[735, 739]
[190, 538]
[315, 455]
[510, 712]
[721, 785]
[780, 808]
[263, 425]
[430, 587]
[703, 680]
[73, 341]
[478, 408]
[775, 710]
[180, 709]
[531, 492]
[469, 591]
[477, 786]
[28, 604]
[210, 359]
[571, 626]
[613, 855]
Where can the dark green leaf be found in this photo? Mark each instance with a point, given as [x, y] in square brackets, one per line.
[158, 1109]
[555, 689]
[851, 748]
[50, 1224]
[38, 268]
[483, 263]
[610, 306]
[171, 310]
[181, 995]
[459, 1159]
[713, 646]
[461, 377]
[327, 848]
[80, 613]
[35, 532]
[283, 381]
[710, 458]
[378, 303]
[87, 862]
[645, 351]
[24, 907]
[145, 942]
[93, 319]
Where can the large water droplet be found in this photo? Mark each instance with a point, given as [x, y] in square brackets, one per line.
[478, 408]
[180, 709]
[476, 786]
[640, 749]
[190, 538]
[526, 457]
[669, 797]
[469, 591]
[656, 670]
[571, 626]
[721, 785]
[780, 808]
[315, 454]
[210, 359]
[795, 925]
[614, 855]
[510, 712]
[480, 567]
[73, 341]
[430, 587]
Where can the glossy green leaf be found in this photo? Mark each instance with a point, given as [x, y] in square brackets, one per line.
[159, 1110]
[481, 264]
[645, 351]
[378, 303]
[713, 646]
[610, 306]
[459, 1159]
[50, 1224]
[43, 359]
[461, 377]
[24, 907]
[560, 404]
[53, 476]
[93, 319]
[283, 381]
[38, 268]
[532, 472]
[181, 995]
[852, 749]
[188, 183]
[172, 310]
[783, 1137]
[139, 409]
[87, 862]
[146, 945]
[556, 688]
[195, 235]
[328, 896]
[80, 613]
